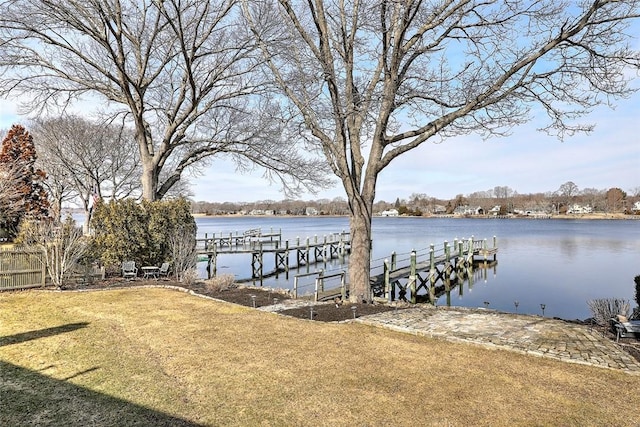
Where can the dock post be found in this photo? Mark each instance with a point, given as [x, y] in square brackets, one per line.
[307, 256]
[315, 292]
[394, 257]
[286, 259]
[484, 252]
[343, 286]
[276, 255]
[387, 286]
[432, 274]
[295, 287]
[447, 264]
[495, 246]
[412, 277]
[324, 249]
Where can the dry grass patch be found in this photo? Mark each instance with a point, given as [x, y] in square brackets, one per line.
[162, 357]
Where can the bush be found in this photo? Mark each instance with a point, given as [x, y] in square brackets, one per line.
[63, 246]
[637, 280]
[605, 309]
[220, 283]
[144, 232]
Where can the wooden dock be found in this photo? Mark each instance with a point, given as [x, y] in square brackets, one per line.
[433, 273]
[260, 244]
[424, 275]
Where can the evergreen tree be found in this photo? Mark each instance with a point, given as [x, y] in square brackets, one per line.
[18, 152]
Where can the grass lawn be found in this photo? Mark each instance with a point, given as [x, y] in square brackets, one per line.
[160, 357]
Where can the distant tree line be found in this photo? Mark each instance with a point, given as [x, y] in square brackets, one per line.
[501, 199]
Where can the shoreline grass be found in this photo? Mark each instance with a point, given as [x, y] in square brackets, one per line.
[161, 357]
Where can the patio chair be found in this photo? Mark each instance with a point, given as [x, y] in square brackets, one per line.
[626, 327]
[129, 270]
[164, 269]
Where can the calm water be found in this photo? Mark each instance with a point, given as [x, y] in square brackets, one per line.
[559, 263]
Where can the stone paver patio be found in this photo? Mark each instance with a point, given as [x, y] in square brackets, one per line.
[534, 335]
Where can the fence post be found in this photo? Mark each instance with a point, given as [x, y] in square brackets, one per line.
[44, 270]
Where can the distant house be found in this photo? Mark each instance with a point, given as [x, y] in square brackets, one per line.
[439, 210]
[389, 212]
[309, 211]
[468, 210]
[636, 207]
[579, 209]
[495, 210]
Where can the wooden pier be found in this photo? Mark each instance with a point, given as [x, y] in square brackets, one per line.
[260, 244]
[429, 275]
[424, 275]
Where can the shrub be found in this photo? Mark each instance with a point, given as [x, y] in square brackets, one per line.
[62, 244]
[145, 232]
[220, 283]
[637, 280]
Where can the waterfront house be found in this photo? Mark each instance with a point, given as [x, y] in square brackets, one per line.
[389, 212]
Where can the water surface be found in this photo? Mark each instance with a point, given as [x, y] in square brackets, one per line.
[559, 263]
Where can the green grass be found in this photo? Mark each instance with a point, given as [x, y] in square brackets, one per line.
[161, 357]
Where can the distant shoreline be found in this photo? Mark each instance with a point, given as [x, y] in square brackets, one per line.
[593, 216]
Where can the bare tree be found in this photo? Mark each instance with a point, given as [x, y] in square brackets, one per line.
[567, 192]
[62, 245]
[87, 160]
[594, 197]
[373, 80]
[182, 73]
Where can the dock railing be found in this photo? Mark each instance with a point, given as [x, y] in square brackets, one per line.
[319, 284]
[421, 269]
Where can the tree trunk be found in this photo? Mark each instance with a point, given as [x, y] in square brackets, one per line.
[360, 258]
[149, 179]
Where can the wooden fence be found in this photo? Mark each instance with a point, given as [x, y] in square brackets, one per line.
[21, 268]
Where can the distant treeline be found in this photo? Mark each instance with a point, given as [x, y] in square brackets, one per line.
[498, 201]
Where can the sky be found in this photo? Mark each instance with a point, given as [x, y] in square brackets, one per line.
[527, 161]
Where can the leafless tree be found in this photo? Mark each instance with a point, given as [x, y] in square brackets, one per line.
[373, 80]
[567, 192]
[593, 197]
[86, 160]
[182, 73]
[62, 245]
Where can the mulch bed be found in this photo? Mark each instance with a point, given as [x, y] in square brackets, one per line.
[255, 297]
[260, 297]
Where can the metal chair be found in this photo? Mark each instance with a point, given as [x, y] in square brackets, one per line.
[164, 270]
[129, 270]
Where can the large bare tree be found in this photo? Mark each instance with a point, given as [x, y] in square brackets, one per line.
[372, 80]
[85, 160]
[182, 73]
